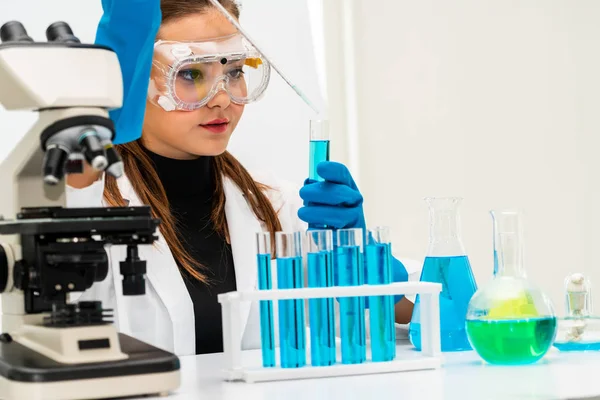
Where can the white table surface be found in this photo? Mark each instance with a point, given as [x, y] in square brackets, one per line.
[463, 377]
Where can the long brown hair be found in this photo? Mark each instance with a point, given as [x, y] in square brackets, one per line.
[146, 183]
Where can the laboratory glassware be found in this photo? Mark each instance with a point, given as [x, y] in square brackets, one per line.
[580, 329]
[350, 271]
[446, 263]
[378, 255]
[292, 341]
[321, 311]
[509, 320]
[319, 146]
[265, 282]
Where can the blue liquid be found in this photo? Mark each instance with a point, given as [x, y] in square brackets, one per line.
[322, 318]
[589, 346]
[352, 309]
[267, 329]
[458, 286]
[319, 152]
[291, 314]
[495, 262]
[383, 331]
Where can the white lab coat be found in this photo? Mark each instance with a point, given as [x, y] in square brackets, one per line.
[164, 316]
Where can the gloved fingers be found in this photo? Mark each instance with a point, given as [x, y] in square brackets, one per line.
[336, 173]
[331, 194]
[332, 217]
[399, 273]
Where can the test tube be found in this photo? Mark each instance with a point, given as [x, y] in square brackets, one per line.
[267, 328]
[350, 270]
[292, 342]
[319, 146]
[321, 311]
[379, 272]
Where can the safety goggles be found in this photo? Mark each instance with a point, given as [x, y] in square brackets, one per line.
[187, 75]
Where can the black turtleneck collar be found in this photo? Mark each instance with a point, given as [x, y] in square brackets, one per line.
[193, 178]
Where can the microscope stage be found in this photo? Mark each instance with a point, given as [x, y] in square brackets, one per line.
[26, 374]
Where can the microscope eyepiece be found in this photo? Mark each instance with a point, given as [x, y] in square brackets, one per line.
[61, 32]
[14, 31]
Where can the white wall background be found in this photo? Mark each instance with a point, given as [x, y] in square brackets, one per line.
[495, 101]
[273, 132]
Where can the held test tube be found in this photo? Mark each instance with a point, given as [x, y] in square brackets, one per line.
[352, 309]
[321, 311]
[379, 272]
[319, 146]
[267, 329]
[290, 274]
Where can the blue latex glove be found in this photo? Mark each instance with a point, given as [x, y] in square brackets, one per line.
[129, 28]
[337, 203]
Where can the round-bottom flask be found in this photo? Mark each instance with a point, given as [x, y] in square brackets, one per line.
[509, 320]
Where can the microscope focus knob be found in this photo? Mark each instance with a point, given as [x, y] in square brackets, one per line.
[61, 32]
[14, 31]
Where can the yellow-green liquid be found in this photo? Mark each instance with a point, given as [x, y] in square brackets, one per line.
[512, 341]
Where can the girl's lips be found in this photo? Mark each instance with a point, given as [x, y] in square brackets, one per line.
[217, 122]
[216, 128]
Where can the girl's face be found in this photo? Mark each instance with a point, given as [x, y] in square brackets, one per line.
[189, 134]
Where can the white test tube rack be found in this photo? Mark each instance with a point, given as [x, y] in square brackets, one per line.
[428, 358]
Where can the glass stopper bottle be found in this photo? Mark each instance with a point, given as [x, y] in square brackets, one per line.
[446, 263]
[509, 320]
[580, 329]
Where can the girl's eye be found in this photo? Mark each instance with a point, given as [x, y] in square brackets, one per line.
[190, 74]
[236, 73]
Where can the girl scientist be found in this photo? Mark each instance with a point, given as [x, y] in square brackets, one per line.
[188, 75]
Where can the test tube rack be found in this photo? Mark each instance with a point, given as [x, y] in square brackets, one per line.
[428, 358]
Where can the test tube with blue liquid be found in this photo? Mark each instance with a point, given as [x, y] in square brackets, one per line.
[379, 272]
[350, 269]
[292, 341]
[321, 311]
[267, 328]
[319, 146]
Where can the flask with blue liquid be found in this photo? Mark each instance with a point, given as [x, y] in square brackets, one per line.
[446, 263]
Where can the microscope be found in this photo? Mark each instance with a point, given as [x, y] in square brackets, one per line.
[51, 348]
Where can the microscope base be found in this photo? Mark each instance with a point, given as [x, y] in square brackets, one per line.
[26, 374]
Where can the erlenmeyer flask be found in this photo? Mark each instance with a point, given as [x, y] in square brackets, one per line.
[510, 321]
[446, 263]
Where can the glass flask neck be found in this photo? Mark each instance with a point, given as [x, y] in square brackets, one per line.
[508, 244]
[444, 233]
